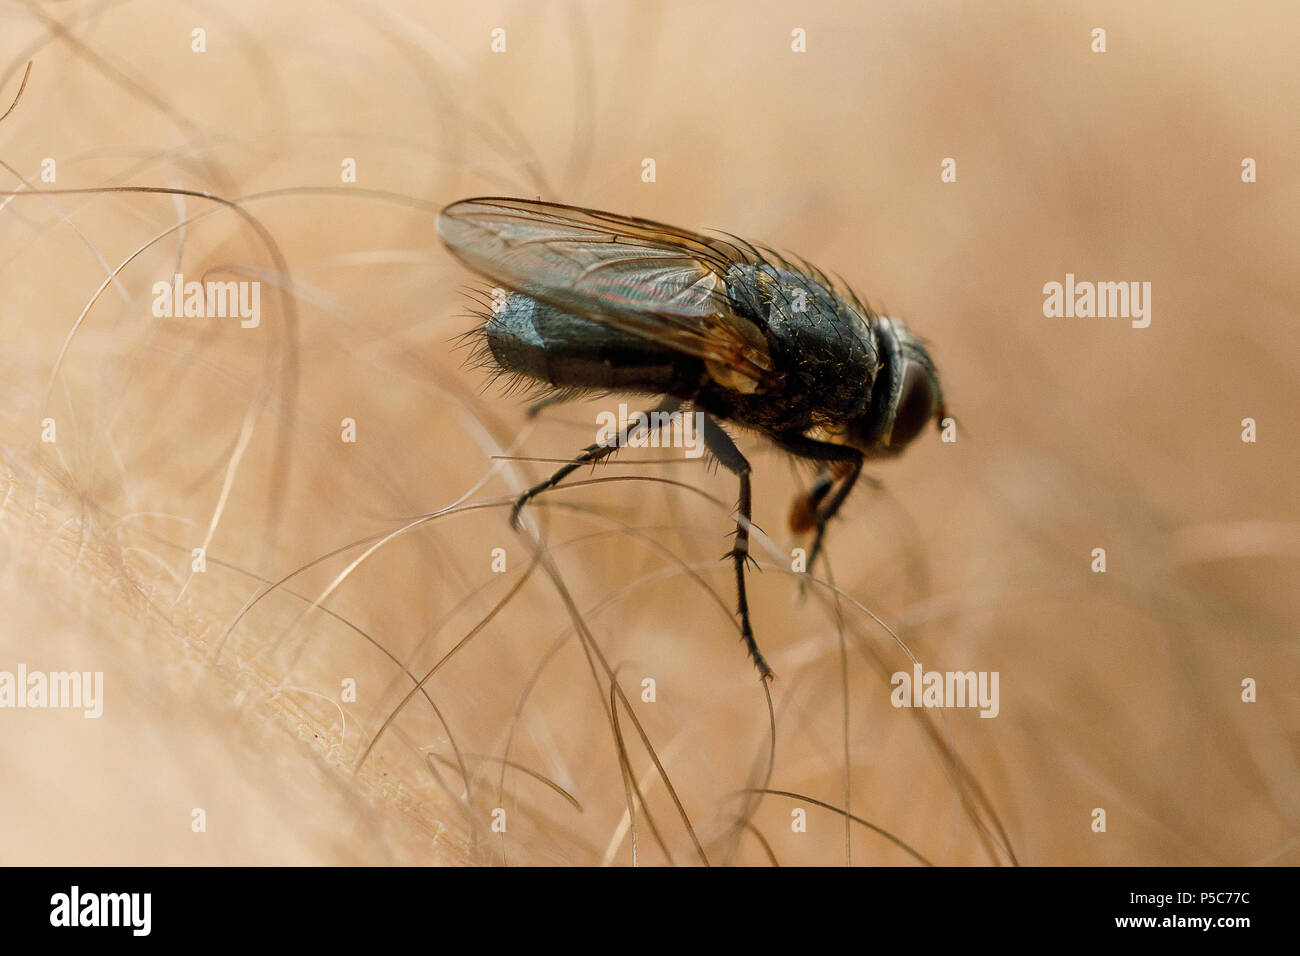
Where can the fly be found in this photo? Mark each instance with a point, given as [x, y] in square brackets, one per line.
[599, 302]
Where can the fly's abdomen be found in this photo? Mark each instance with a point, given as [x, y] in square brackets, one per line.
[529, 337]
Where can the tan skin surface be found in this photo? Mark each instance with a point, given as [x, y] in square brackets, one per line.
[1120, 691]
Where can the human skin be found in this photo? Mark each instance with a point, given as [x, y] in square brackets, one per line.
[1119, 690]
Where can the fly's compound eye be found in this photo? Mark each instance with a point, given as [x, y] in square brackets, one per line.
[915, 404]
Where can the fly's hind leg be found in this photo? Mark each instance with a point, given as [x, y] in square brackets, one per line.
[592, 454]
[555, 398]
[722, 448]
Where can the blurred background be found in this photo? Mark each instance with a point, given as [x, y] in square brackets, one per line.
[343, 682]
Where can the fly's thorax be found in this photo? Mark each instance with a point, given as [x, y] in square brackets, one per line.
[823, 344]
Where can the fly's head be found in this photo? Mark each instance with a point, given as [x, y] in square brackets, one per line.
[905, 396]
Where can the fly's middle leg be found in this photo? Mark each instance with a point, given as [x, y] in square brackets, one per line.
[722, 448]
[591, 455]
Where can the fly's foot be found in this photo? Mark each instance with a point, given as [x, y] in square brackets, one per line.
[765, 672]
[742, 555]
[517, 507]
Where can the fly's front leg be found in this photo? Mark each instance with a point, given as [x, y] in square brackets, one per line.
[591, 455]
[829, 508]
[815, 508]
[803, 512]
[722, 448]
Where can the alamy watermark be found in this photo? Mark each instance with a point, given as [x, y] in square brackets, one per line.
[923, 688]
[177, 298]
[1100, 300]
[62, 690]
[129, 910]
[657, 429]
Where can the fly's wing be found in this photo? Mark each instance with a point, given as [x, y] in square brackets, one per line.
[657, 282]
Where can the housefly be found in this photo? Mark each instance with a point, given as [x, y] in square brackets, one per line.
[598, 302]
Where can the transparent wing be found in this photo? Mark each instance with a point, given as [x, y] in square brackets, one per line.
[660, 283]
